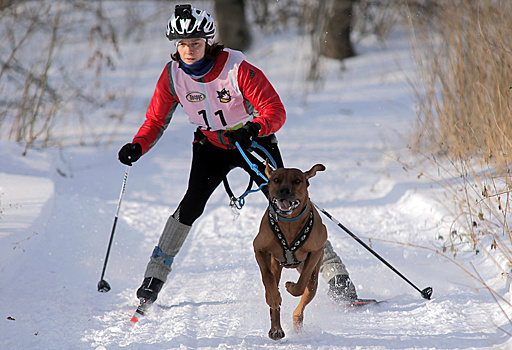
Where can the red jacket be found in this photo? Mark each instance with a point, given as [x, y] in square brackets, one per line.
[253, 84]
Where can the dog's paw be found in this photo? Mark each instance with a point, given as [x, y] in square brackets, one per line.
[276, 333]
[298, 322]
[293, 289]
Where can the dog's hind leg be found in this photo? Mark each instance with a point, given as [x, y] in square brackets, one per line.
[307, 296]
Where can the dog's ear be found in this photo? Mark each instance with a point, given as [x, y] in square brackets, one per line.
[312, 172]
[268, 169]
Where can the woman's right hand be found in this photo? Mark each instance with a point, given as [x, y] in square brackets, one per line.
[130, 153]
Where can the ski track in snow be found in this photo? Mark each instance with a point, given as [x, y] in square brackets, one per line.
[214, 298]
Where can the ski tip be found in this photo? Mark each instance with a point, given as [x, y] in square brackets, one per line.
[141, 311]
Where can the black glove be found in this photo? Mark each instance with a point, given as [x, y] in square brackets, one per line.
[130, 153]
[244, 135]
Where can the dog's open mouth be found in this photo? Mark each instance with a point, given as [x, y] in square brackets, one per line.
[285, 206]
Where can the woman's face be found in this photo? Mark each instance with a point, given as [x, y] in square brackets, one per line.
[191, 50]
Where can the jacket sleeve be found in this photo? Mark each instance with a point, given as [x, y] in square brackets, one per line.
[256, 88]
[159, 113]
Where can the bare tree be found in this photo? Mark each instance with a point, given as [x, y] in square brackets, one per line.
[232, 26]
[335, 36]
[44, 92]
[5, 3]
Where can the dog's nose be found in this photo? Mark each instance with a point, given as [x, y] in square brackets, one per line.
[284, 191]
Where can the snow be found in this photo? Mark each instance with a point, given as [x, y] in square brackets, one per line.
[57, 209]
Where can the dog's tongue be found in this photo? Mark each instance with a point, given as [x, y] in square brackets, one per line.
[284, 204]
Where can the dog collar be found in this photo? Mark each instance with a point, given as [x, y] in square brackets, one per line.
[289, 250]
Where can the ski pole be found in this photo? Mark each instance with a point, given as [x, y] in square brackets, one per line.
[425, 293]
[103, 285]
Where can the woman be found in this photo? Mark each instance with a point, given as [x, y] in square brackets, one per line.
[230, 101]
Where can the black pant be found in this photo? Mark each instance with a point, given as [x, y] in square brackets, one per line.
[210, 165]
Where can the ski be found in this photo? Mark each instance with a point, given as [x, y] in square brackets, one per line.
[359, 303]
[141, 311]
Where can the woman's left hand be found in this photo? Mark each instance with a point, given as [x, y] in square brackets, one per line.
[245, 135]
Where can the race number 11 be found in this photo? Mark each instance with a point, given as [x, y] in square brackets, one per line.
[219, 114]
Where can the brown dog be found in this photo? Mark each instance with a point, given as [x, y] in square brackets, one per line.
[291, 235]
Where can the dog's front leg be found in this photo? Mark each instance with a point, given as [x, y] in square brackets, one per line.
[270, 282]
[276, 331]
[270, 275]
[297, 289]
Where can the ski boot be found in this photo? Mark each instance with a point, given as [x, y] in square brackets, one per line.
[149, 290]
[341, 289]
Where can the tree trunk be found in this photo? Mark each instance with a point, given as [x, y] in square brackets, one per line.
[231, 24]
[335, 38]
[5, 3]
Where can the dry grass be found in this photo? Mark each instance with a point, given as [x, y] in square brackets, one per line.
[465, 108]
[465, 121]
[467, 103]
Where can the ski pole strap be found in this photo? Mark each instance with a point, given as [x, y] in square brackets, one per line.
[157, 253]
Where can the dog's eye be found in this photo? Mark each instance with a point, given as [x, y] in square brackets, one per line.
[297, 181]
[276, 180]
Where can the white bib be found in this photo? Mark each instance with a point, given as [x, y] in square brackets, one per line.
[217, 105]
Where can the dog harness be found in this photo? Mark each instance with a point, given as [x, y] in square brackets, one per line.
[289, 250]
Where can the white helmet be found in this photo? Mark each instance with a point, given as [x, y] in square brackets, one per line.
[189, 22]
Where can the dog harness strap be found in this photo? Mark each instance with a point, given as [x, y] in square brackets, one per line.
[157, 252]
[289, 250]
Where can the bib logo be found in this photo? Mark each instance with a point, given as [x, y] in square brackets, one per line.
[195, 96]
[224, 96]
